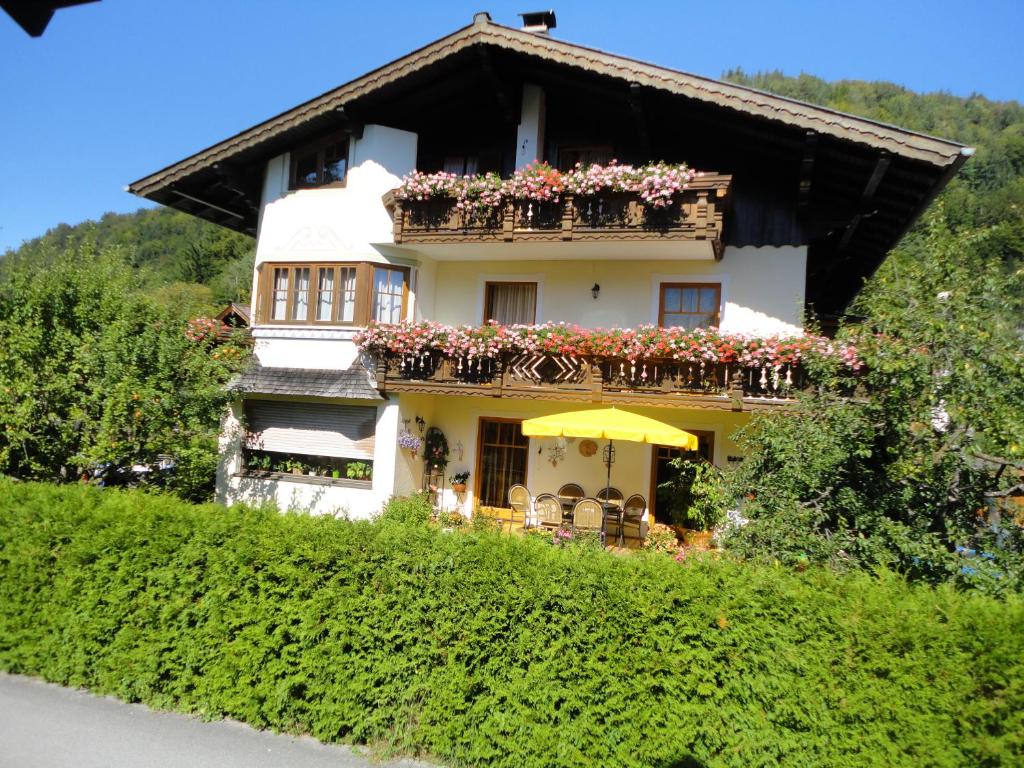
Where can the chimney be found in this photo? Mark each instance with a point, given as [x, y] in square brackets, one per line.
[538, 22]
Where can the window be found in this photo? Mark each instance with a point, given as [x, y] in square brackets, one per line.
[388, 294]
[320, 164]
[510, 303]
[461, 165]
[332, 294]
[689, 305]
[311, 439]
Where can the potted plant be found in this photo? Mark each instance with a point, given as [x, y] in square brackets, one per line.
[335, 473]
[358, 470]
[435, 449]
[294, 466]
[695, 499]
[458, 481]
[410, 442]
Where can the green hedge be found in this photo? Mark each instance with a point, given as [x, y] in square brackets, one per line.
[491, 650]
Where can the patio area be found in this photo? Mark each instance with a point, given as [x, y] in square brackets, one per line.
[620, 520]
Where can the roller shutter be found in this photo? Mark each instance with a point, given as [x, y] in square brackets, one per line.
[340, 431]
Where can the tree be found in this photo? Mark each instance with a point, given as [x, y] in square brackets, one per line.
[95, 370]
[885, 470]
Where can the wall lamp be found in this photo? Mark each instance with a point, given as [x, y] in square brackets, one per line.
[595, 290]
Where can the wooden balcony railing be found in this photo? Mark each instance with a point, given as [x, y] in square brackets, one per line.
[532, 376]
[696, 214]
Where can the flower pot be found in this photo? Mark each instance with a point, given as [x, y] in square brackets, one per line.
[459, 487]
[412, 454]
[296, 470]
[698, 539]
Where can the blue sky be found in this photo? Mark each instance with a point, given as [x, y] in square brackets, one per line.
[121, 88]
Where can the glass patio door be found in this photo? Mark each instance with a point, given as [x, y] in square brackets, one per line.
[503, 452]
[662, 471]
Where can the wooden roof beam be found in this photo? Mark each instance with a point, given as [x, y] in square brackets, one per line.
[807, 171]
[866, 198]
[501, 96]
[639, 120]
[207, 204]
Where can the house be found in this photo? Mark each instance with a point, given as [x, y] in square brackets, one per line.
[794, 206]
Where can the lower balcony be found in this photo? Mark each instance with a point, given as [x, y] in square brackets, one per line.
[545, 376]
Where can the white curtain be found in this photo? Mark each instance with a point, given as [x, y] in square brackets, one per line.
[325, 294]
[512, 303]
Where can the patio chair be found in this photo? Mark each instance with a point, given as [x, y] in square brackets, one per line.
[588, 515]
[632, 517]
[548, 511]
[611, 495]
[519, 501]
[570, 493]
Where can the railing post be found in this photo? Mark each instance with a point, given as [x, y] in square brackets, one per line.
[596, 382]
[508, 221]
[380, 373]
[568, 217]
[735, 389]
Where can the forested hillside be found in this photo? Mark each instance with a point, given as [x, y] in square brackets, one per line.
[170, 249]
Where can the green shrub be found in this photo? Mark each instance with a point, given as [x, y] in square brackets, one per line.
[493, 650]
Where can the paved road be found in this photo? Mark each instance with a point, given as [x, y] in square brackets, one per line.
[47, 726]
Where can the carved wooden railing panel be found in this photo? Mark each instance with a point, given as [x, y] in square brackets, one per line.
[696, 214]
[550, 376]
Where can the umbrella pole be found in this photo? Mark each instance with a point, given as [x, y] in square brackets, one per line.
[607, 490]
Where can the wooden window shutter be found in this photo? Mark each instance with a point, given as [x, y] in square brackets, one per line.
[339, 431]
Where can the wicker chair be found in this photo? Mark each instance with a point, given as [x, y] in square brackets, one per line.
[570, 493]
[611, 495]
[548, 511]
[588, 515]
[519, 501]
[632, 517]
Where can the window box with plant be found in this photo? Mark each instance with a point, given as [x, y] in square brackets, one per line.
[307, 468]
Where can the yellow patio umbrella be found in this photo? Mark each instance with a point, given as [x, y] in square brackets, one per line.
[609, 424]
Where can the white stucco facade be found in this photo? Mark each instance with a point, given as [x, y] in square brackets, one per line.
[762, 293]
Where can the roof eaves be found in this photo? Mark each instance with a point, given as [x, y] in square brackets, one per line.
[918, 146]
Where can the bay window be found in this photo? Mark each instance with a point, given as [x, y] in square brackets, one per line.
[332, 294]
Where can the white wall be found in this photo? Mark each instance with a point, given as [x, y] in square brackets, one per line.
[329, 224]
[762, 289]
[335, 223]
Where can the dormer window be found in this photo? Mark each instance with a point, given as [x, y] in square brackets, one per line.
[319, 165]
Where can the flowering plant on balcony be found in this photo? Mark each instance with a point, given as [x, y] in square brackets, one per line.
[481, 193]
[425, 186]
[657, 184]
[647, 342]
[538, 182]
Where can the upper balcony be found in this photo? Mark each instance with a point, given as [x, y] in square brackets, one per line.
[691, 214]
